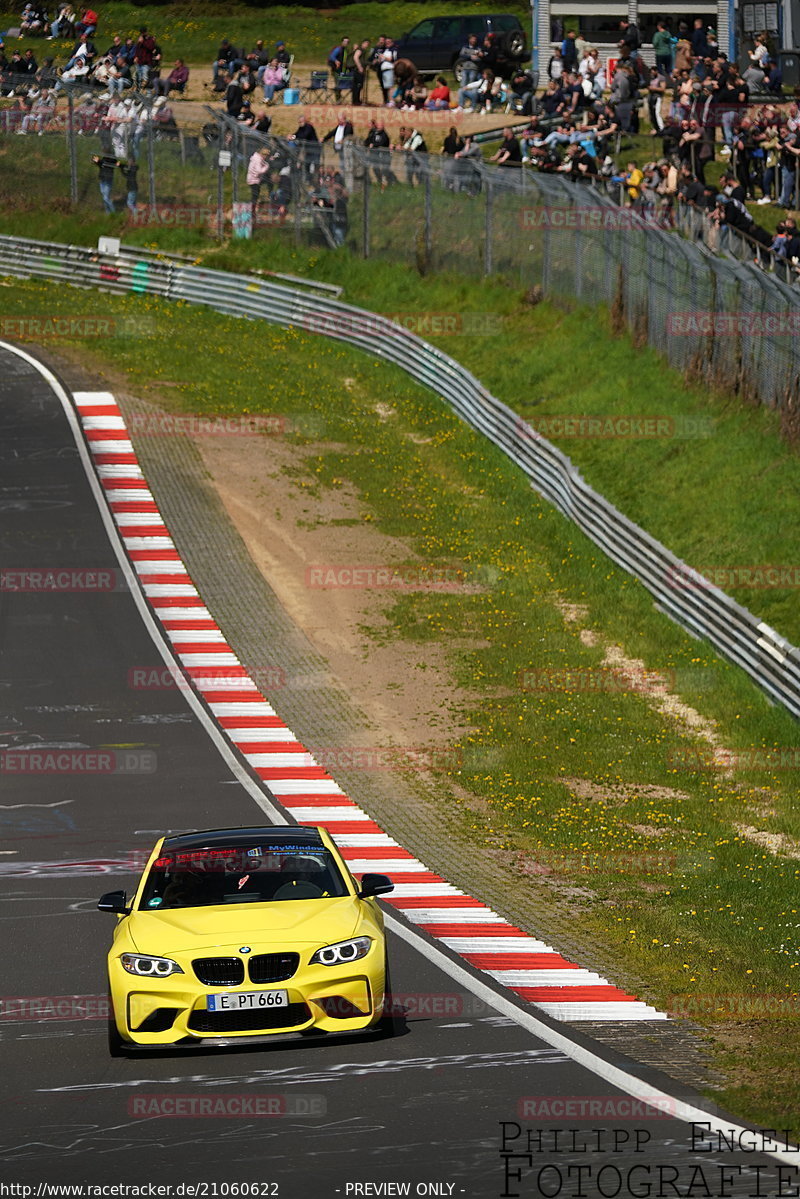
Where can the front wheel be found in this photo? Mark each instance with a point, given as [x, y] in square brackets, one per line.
[387, 1025]
[116, 1045]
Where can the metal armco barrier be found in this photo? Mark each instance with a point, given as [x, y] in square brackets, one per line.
[680, 592]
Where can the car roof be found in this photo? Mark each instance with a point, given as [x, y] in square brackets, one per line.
[273, 835]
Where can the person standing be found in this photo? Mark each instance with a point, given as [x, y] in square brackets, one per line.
[360, 59]
[145, 58]
[386, 71]
[130, 173]
[106, 165]
[662, 45]
[257, 170]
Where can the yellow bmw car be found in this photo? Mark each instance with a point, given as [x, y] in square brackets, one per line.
[245, 933]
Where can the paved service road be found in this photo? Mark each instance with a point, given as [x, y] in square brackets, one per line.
[315, 1116]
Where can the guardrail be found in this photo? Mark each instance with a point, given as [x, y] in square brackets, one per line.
[680, 592]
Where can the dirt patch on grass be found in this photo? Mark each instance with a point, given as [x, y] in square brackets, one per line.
[619, 793]
[299, 535]
[776, 843]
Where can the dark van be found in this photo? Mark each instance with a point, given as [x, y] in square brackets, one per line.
[434, 44]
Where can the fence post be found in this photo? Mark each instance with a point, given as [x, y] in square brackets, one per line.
[487, 229]
[428, 214]
[298, 166]
[73, 157]
[235, 168]
[578, 256]
[220, 195]
[151, 164]
[365, 211]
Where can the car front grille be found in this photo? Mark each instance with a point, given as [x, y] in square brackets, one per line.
[219, 972]
[249, 1021]
[272, 967]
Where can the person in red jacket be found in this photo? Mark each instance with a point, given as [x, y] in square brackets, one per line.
[146, 58]
[439, 97]
[87, 23]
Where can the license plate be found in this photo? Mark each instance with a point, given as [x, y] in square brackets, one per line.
[237, 1001]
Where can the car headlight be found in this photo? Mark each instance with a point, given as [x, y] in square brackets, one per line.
[342, 952]
[149, 967]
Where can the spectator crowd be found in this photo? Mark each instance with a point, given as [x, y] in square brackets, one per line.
[699, 105]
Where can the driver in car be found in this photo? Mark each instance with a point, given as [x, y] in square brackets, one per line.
[305, 879]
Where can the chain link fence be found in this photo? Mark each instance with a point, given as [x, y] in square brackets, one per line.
[717, 319]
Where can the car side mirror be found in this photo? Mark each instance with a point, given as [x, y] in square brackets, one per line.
[113, 901]
[374, 884]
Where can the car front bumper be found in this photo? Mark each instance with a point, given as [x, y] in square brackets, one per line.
[165, 1011]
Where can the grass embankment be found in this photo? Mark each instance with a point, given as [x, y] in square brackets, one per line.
[671, 878]
[194, 31]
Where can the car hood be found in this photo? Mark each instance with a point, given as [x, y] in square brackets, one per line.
[294, 922]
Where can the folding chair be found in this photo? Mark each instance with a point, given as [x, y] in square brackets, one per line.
[318, 88]
[342, 83]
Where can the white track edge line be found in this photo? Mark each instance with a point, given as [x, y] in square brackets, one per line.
[163, 647]
[614, 1075]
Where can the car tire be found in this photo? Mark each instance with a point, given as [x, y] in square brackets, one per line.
[458, 71]
[513, 43]
[116, 1045]
[387, 1025]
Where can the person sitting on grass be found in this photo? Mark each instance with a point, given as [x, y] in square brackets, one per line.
[34, 21]
[477, 93]
[439, 97]
[64, 24]
[509, 154]
[418, 94]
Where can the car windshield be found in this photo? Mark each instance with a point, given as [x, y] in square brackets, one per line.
[241, 874]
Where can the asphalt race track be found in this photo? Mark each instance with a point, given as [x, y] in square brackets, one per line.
[314, 1116]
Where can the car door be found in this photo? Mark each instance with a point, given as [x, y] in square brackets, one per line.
[418, 46]
[445, 43]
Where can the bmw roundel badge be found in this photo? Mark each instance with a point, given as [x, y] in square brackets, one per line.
[244, 949]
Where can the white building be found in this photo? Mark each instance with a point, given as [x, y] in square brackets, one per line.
[735, 21]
